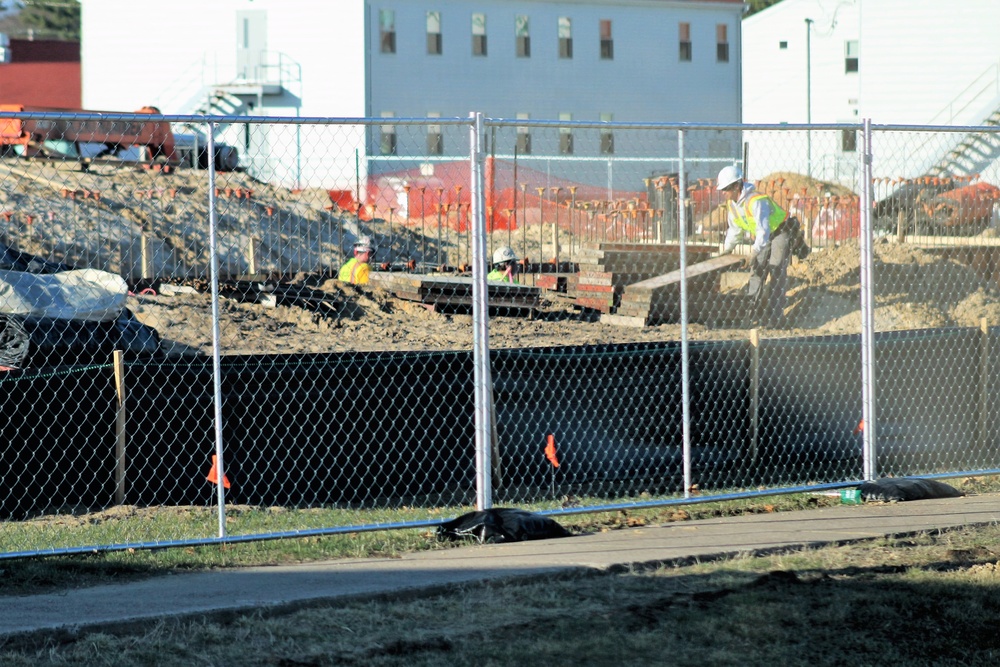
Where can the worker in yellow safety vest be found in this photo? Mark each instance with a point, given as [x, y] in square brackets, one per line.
[776, 237]
[356, 269]
[504, 260]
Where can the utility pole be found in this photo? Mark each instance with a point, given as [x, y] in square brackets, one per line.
[809, 23]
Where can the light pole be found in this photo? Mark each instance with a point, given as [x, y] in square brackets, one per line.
[809, 23]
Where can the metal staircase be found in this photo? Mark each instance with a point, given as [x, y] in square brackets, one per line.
[217, 101]
[193, 137]
[974, 153]
[270, 77]
[980, 148]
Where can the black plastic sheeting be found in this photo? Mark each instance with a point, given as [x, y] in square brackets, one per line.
[388, 429]
[41, 342]
[58, 435]
[37, 342]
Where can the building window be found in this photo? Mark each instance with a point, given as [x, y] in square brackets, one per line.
[565, 37]
[851, 56]
[607, 136]
[387, 141]
[565, 135]
[607, 44]
[684, 30]
[522, 41]
[721, 43]
[523, 137]
[434, 33]
[435, 141]
[479, 34]
[387, 30]
[848, 141]
[782, 45]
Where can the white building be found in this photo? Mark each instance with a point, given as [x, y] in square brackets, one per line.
[586, 60]
[902, 62]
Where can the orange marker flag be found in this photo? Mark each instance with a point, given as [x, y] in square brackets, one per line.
[550, 450]
[213, 474]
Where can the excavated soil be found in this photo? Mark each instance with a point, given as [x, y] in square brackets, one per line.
[296, 230]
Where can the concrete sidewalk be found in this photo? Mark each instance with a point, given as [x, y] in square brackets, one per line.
[180, 594]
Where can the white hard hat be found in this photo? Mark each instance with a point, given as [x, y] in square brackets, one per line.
[728, 176]
[504, 254]
[364, 244]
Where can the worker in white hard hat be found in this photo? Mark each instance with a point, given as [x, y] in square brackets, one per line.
[357, 269]
[504, 259]
[776, 236]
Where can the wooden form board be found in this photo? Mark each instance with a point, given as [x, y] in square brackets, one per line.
[454, 290]
[606, 269]
[657, 300]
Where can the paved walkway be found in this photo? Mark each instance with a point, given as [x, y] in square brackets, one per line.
[179, 594]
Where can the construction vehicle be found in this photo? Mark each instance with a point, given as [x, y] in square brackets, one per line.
[86, 139]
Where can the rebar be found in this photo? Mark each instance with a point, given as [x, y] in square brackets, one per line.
[541, 227]
[440, 206]
[423, 227]
[524, 220]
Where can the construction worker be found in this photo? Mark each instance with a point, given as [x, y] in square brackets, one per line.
[776, 236]
[504, 260]
[356, 269]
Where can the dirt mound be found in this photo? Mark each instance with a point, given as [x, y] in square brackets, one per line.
[801, 184]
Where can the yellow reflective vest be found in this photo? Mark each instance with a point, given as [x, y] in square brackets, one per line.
[354, 272]
[742, 216]
[497, 274]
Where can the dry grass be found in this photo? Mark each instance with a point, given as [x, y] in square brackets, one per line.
[931, 599]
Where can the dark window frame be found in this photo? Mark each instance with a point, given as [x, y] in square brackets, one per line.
[434, 44]
[435, 143]
[607, 142]
[849, 141]
[522, 46]
[479, 45]
[387, 37]
[565, 43]
[851, 63]
[721, 43]
[607, 41]
[387, 142]
[566, 48]
[565, 143]
[523, 143]
[684, 51]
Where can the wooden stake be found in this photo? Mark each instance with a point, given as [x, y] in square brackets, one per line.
[120, 434]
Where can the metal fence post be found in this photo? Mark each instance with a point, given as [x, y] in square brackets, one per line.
[685, 365]
[480, 321]
[216, 334]
[867, 310]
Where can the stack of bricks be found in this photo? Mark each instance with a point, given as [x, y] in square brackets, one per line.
[605, 269]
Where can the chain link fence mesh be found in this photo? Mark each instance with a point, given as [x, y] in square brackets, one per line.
[347, 405]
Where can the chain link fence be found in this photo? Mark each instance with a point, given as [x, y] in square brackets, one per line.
[172, 309]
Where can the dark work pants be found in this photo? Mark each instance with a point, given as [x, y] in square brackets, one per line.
[767, 300]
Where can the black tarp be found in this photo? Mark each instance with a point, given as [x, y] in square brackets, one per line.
[33, 342]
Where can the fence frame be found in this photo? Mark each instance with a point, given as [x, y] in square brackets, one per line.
[478, 128]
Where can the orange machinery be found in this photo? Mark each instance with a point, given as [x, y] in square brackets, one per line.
[63, 137]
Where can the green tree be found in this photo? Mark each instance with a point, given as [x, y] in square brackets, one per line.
[48, 19]
[757, 5]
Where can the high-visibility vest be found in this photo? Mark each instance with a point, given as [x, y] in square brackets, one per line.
[497, 274]
[354, 272]
[743, 215]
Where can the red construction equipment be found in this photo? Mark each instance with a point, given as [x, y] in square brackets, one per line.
[970, 206]
[63, 138]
